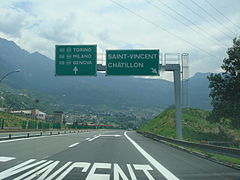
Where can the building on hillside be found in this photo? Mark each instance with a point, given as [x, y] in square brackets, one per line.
[34, 113]
[41, 115]
[2, 109]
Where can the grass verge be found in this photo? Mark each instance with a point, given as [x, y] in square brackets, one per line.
[219, 158]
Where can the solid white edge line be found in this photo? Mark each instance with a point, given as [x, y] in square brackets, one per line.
[73, 145]
[165, 172]
[5, 159]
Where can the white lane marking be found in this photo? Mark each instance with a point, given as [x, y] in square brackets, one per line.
[32, 171]
[93, 176]
[83, 165]
[73, 145]
[133, 176]
[165, 172]
[112, 135]
[19, 168]
[106, 135]
[59, 171]
[145, 169]
[5, 159]
[45, 171]
[55, 170]
[95, 137]
[118, 172]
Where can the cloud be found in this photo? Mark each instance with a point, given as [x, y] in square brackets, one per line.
[26, 6]
[59, 30]
[12, 21]
[38, 25]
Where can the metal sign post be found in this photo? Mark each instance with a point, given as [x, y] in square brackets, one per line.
[177, 91]
[178, 102]
[82, 60]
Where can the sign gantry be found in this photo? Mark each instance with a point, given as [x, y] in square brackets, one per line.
[132, 62]
[81, 60]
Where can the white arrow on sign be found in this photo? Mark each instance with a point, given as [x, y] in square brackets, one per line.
[154, 70]
[75, 69]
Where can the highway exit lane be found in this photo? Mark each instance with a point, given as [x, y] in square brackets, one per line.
[104, 155]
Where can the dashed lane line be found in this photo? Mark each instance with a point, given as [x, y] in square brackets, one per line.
[104, 135]
[95, 137]
[6, 159]
[73, 145]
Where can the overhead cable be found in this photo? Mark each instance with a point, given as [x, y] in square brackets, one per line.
[194, 2]
[222, 14]
[204, 32]
[200, 16]
[163, 29]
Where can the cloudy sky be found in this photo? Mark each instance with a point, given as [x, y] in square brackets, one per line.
[202, 28]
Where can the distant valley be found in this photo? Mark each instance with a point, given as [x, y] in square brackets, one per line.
[121, 94]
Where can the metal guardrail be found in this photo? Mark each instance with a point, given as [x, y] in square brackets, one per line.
[14, 135]
[224, 143]
[233, 152]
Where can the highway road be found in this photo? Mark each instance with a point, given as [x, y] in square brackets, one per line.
[103, 155]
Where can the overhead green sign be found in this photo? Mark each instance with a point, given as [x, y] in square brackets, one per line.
[132, 62]
[76, 60]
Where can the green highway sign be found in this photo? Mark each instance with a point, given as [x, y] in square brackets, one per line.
[76, 60]
[132, 62]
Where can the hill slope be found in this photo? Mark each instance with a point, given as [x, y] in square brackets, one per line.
[195, 126]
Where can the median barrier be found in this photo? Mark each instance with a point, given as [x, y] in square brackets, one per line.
[233, 152]
[17, 135]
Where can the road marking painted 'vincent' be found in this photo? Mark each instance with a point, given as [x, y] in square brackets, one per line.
[165, 172]
[6, 159]
[48, 170]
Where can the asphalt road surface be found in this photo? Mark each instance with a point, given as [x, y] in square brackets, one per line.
[103, 155]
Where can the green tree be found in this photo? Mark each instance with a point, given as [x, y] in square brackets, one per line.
[225, 88]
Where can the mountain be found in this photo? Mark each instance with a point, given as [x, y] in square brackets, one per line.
[199, 91]
[37, 74]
